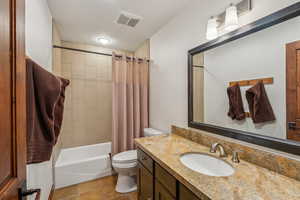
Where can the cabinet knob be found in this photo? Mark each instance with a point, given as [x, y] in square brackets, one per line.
[144, 158]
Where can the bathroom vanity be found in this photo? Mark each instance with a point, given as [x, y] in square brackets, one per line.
[162, 175]
[155, 182]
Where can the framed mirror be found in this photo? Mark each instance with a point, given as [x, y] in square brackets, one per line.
[245, 84]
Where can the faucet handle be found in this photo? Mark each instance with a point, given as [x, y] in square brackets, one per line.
[235, 156]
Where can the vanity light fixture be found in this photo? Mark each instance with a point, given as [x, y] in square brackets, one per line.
[231, 18]
[228, 20]
[212, 31]
[103, 40]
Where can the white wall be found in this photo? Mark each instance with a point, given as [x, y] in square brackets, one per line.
[256, 56]
[39, 48]
[38, 32]
[168, 50]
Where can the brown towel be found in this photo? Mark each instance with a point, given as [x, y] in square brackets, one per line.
[236, 107]
[45, 104]
[259, 104]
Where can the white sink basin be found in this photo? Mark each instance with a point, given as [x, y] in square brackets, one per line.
[206, 164]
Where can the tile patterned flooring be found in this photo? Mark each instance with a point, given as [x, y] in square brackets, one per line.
[101, 189]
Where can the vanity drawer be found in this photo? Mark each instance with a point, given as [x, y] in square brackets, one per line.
[167, 180]
[161, 193]
[145, 160]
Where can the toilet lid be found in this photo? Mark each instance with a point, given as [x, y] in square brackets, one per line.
[125, 157]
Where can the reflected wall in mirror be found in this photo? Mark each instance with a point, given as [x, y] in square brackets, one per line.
[198, 87]
[263, 54]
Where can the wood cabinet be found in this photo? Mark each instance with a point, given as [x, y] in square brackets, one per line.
[145, 160]
[185, 193]
[161, 192]
[156, 183]
[166, 179]
[145, 183]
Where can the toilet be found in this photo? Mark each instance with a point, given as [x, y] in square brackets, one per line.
[125, 164]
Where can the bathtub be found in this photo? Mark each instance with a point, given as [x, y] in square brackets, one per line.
[81, 164]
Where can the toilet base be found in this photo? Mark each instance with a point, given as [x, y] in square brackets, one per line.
[126, 184]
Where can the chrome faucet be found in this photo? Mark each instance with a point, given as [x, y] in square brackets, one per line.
[214, 147]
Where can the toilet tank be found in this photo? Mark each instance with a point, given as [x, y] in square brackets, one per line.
[148, 132]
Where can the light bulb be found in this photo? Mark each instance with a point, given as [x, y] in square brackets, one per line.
[231, 19]
[212, 31]
[103, 40]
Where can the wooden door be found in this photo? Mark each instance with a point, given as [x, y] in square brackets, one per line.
[293, 90]
[12, 99]
[145, 183]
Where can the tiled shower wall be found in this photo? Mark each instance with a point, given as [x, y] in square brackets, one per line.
[56, 69]
[88, 106]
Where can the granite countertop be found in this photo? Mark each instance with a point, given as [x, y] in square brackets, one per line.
[249, 182]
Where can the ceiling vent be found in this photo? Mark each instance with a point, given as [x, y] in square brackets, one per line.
[128, 19]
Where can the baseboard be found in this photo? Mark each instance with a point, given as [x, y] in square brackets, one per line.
[51, 192]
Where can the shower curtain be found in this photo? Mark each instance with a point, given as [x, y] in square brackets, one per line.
[130, 101]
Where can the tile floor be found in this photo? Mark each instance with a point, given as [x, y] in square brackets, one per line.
[101, 189]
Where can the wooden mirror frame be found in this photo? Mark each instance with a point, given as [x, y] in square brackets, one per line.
[278, 17]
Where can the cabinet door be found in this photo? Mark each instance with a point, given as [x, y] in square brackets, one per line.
[161, 193]
[145, 183]
[186, 194]
[165, 179]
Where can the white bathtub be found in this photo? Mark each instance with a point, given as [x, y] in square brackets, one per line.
[81, 164]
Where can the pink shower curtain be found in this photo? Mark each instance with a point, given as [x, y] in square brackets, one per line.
[130, 101]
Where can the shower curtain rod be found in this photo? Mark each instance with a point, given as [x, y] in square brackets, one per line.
[93, 52]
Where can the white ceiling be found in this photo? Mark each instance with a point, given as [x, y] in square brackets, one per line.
[83, 20]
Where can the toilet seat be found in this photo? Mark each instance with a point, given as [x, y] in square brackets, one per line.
[124, 165]
[125, 159]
